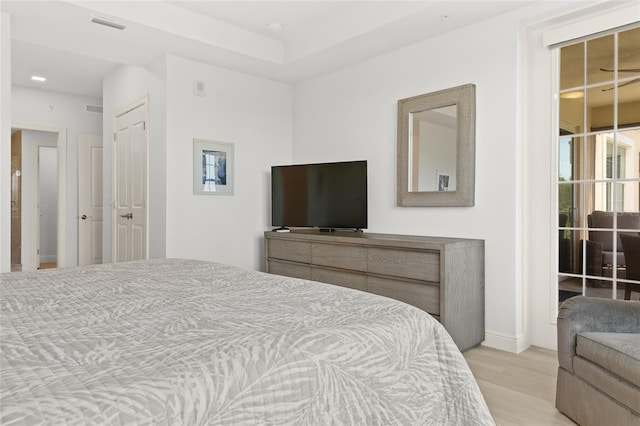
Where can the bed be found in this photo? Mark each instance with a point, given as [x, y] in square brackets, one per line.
[185, 342]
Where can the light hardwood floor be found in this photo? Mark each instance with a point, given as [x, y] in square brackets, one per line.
[50, 265]
[520, 389]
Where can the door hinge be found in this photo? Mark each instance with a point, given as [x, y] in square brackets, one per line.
[114, 136]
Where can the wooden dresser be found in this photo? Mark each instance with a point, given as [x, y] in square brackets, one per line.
[442, 276]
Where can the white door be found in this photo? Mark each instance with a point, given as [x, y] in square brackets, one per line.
[89, 199]
[130, 186]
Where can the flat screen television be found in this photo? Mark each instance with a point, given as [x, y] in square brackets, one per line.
[328, 196]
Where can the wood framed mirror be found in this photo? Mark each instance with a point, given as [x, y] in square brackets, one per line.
[436, 148]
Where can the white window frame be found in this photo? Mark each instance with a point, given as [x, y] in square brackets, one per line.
[615, 180]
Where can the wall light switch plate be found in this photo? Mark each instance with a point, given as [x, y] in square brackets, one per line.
[198, 88]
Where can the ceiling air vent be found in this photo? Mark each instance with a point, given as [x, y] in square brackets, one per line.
[94, 108]
[106, 23]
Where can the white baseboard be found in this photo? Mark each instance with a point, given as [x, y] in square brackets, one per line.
[48, 258]
[505, 342]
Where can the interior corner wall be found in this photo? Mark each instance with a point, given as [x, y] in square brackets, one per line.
[255, 115]
[121, 87]
[5, 142]
[45, 108]
[352, 114]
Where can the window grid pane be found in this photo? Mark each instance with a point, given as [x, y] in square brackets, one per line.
[598, 176]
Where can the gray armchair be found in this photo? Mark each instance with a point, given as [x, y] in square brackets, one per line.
[599, 357]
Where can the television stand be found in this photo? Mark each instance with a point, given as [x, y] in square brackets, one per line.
[282, 229]
[327, 229]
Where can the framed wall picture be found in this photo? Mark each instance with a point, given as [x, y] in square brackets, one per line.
[442, 180]
[212, 167]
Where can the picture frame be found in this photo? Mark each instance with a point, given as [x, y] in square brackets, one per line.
[213, 167]
[442, 181]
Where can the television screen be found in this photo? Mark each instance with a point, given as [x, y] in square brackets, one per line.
[328, 195]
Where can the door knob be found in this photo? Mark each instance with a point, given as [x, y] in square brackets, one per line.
[83, 217]
[127, 216]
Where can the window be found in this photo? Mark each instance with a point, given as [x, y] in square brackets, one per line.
[598, 175]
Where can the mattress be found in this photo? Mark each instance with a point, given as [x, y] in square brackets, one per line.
[185, 342]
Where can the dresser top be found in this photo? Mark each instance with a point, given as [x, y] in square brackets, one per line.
[366, 238]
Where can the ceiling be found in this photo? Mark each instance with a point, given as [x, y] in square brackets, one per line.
[56, 39]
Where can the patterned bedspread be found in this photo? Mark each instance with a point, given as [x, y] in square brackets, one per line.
[183, 342]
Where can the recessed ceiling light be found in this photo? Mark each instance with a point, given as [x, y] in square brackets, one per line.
[275, 27]
[107, 23]
[573, 95]
[38, 78]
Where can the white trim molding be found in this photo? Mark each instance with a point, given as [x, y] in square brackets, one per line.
[597, 20]
[506, 342]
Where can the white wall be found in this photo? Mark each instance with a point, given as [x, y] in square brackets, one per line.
[31, 140]
[44, 108]
[250, 112]
[351, 114]
[121, 87]
[5, 142]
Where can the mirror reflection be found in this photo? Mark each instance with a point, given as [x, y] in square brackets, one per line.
[436, 148]
[433, 149]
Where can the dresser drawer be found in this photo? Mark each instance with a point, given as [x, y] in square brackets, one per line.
[423, 296]
[341, 278]
[339, 256]
[290, 269]
[296, 251]
[418, 265]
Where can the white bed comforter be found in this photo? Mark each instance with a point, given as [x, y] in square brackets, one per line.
[182, 342]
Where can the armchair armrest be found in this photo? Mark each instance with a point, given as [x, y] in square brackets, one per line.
[584, 314]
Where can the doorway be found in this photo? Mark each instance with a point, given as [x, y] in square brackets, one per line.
[90, 200]
[40, 171]
[16, 200]
[597, 179]
[130, 148]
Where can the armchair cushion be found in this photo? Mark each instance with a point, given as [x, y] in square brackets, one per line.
[616, 352]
